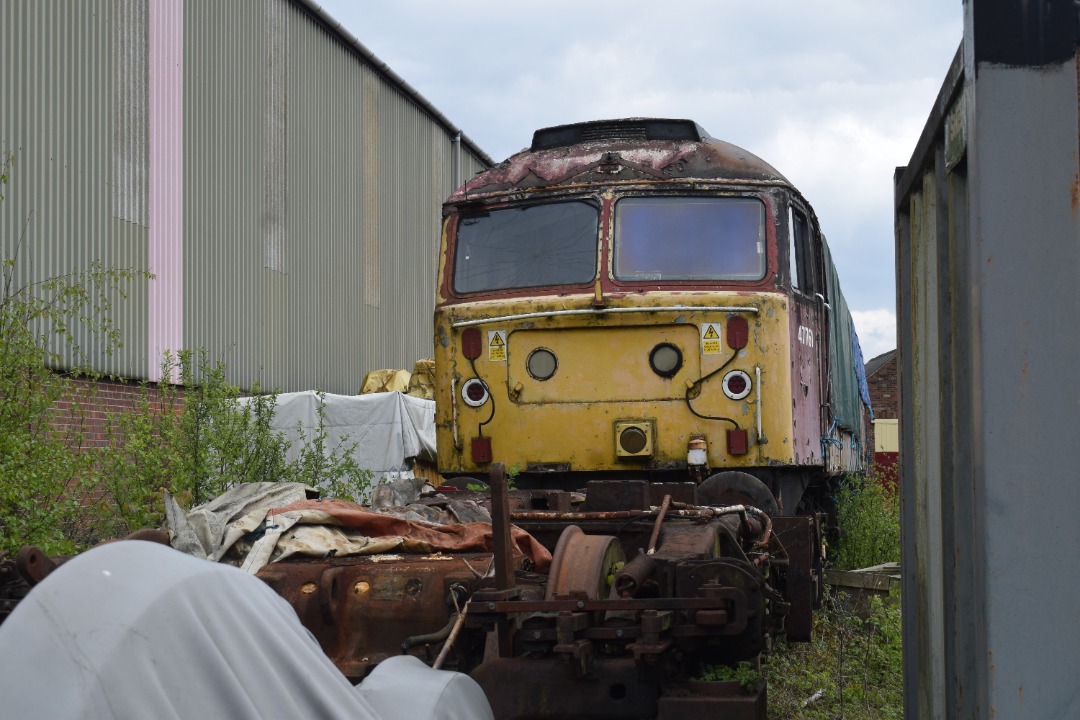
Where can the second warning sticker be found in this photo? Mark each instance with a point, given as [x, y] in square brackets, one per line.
[710, 338]
[497, 345]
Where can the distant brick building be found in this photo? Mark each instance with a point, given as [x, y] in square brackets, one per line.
[885, 399]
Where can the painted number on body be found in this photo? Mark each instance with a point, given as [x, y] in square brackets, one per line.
[806, 336]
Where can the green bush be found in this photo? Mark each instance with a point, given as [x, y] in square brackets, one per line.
[743, 673]
[41, 416]
[198, 440]
[195, 441]
[868, 523]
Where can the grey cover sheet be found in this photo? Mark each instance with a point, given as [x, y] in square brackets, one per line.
[138, 630]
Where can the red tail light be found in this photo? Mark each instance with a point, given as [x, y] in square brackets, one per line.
[472, 344]
[738, 333]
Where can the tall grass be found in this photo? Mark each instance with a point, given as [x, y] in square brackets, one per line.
[853, 667]
[851, 670]
[868, 523]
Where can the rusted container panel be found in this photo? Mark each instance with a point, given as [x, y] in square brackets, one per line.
[987, 258]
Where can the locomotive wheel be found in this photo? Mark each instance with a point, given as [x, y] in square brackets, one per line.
[463, 482]
[732, 487]
[584, 564]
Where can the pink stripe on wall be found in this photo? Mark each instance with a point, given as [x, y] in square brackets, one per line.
[166, 131]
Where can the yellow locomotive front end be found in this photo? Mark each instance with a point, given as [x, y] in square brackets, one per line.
[614, 302]
[654, 384]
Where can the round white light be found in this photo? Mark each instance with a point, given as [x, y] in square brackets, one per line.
[737, 385]
[474, 392]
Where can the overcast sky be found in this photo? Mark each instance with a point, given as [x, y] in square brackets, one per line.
[832, 93]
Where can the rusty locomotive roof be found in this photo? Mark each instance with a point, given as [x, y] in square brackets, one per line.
[615, 151]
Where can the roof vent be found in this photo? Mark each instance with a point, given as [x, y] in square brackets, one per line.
[635, 129]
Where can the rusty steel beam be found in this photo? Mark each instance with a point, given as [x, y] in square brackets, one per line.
[503, 558]
[722, 598]
[500, 528]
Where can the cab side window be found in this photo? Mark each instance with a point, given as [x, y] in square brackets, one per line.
[800, 253]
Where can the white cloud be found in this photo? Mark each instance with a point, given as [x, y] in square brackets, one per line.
[833, 94]
[876, 330]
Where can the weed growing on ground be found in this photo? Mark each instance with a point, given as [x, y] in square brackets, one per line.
[49, 330]
[853, 667]
[744, 673]
[851, 670]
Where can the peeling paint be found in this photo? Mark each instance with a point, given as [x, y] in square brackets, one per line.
[710, 159]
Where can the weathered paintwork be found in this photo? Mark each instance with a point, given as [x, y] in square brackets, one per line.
[807, 342]
[604, 377]
[608, 161]
[603, 330]
[360, 609]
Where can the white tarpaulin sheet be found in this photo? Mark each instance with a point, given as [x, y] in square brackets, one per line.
[137, 630]
[388, 430]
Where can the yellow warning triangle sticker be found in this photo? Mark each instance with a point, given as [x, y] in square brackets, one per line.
[496, 340]
[710, 333]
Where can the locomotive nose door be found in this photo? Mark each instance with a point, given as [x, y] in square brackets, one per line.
[807, 338]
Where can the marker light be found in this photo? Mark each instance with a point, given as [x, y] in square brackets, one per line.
[633, 440]
[474, 392]
[737, 384]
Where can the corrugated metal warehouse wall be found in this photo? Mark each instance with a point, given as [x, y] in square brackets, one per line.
[282, 184]
[73, 114]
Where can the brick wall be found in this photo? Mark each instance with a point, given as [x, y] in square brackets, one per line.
[884, 391]
[95, 400]
[884, 397]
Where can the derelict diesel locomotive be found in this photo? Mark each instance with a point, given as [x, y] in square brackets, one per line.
[646, 323]
[636, 299]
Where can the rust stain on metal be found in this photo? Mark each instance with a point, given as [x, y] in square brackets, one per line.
[360, 609]
[614, 160]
